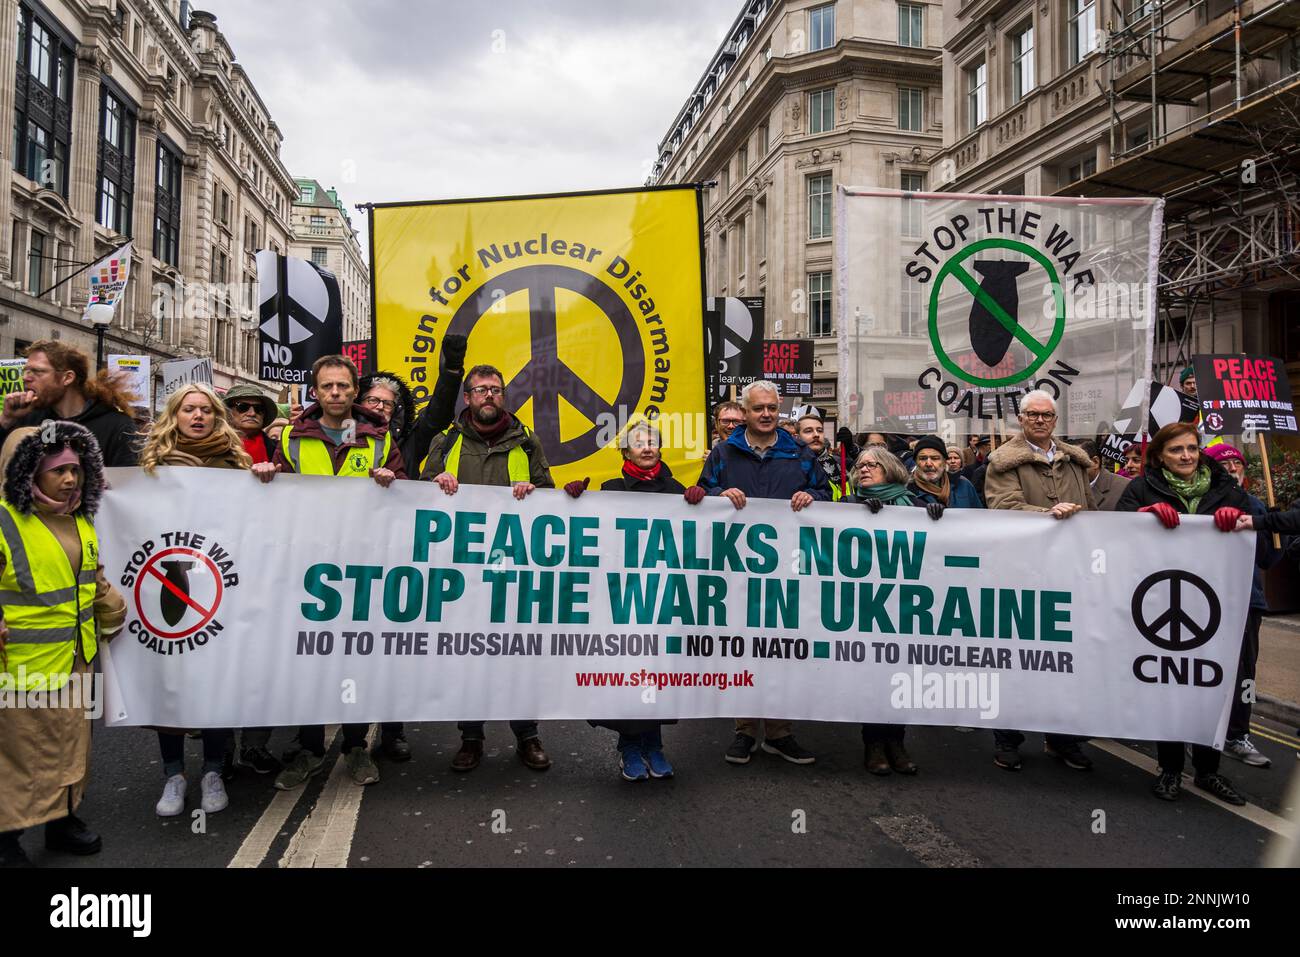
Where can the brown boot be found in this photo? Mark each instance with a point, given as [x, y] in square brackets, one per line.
[899, 759]
[468, 757]
[877, 762]
[530, 752]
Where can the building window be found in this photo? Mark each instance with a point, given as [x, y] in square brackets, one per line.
[742, 162]
[318, 224]
[308, 193]
[1083, 29]
[762, 140]
[167, 208]
[36, 264]
[320, 256]
[220, 266]
[911, 109]
[819, 304]
[821, 111]
[1081, 170]
[223, 207]
[742, 247]
[977, 95]
[1022, 62]
[912, 211]
[910, 33]
[42, 104]
[819, 206]
[1137, 138]
[821, 27]
[760, 226]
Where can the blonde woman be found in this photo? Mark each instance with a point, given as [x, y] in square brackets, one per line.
[194, 430]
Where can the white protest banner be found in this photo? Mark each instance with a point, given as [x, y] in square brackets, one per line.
[108, 279]
[138, 370]
[981, 298]
[179, 372]
[313, 600]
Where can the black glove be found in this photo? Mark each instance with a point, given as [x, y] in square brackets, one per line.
[874, 505]
[934, 510]
[453, 352]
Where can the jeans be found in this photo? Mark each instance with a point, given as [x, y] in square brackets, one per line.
[645, 741]
[473, 730]
[883, 733]
[1239, 716]
[1171, 757]
[312, 737]
[1010, 740]
[773, 728]
[172, 747]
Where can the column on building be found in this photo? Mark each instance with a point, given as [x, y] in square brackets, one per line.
[92, 61]
[8, 93]
[149, 124]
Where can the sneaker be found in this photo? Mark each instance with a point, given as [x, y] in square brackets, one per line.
[741, 748]
[658, 764]
[260, 760]
[1168, 786]
[633, 765]
[1008, 759]
[789, 749]
[214, 793]
[1071, 754]
[395, 748]
[297, 771]
[361, 766]
[172, 801]
[1245, 751]
[1220, 787]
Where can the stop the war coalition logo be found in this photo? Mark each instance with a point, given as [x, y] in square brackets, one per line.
[177, 583]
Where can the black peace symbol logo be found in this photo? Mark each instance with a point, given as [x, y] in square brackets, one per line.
[545, 376]
[1174, 617]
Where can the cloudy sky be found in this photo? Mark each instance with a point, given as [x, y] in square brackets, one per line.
[427, 99]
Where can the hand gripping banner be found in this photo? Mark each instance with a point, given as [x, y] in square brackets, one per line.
[314, 600]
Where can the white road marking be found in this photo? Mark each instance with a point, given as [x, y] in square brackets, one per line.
[324, 839]
[1251, 812]
[258, 841]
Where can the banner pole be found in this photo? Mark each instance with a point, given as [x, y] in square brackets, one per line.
[1268, 483]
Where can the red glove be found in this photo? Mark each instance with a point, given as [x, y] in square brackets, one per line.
[576, 488]
[1167, 514]
[694, 495]
[1225, 519]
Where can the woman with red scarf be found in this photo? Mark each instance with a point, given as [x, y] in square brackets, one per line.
[641, 743]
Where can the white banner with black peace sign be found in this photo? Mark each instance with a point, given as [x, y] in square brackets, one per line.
[983, 298]
[300, 316]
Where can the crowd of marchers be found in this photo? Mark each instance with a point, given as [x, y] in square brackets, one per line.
[60, 431]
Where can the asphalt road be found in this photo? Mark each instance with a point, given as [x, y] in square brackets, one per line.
[959, 811]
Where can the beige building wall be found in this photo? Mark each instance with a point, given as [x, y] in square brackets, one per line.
[185, 90]
[754, 136]
[321, 222]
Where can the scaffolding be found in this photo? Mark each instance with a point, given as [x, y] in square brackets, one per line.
[1204, 105]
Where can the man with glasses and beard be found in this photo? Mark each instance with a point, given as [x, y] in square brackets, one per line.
[488, 445]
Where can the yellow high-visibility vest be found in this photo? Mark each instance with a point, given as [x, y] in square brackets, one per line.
[516, 460]
[309, 456]
[47, 608]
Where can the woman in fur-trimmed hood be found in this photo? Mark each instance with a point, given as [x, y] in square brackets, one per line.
[24, 450]
[53, 484]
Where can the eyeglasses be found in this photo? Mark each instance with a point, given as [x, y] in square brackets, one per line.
[246, 406]
[377, 403]
[1039, 416]
[486, 390]
[868, 466]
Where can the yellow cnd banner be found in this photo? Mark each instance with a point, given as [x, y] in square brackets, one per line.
[591, 305]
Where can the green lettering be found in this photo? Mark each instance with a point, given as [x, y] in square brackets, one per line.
[813, 553]
[466, 536]
[395, 609]
[330, 602]
[956, 617]
[1049, 616]
[765, 558]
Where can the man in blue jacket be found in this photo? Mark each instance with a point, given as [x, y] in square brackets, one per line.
[763, 461]
[931, 481]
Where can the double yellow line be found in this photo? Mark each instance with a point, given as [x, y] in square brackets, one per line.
[1278, 736]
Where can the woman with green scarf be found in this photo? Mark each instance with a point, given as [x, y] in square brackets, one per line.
[879, 479]
[1180, 479]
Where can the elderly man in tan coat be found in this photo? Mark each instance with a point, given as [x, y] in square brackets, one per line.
[1035, 473]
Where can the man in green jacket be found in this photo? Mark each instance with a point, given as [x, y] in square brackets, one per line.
[487, 445]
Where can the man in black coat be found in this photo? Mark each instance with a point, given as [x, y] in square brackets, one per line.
[57, 385]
